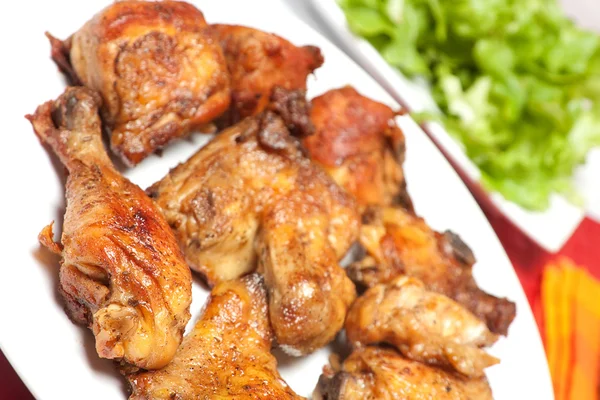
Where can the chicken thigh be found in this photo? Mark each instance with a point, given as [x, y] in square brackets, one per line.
[122, 273]
[159, 72]
[227, 354]
[250, 198]
[424, 326]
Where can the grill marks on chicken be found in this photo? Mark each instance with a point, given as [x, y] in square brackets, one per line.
[381, 373]
[258, 62]
[122, 273]
[424, 326]
[360, 146]
[227, 354]
[251, 197]
[159, 71]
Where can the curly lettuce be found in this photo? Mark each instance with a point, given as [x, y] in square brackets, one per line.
[517, 83]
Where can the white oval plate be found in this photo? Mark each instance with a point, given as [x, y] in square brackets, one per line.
[550, 228]
[55, 358]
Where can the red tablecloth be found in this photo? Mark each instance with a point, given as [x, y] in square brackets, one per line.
[528, 259]
[11, 388]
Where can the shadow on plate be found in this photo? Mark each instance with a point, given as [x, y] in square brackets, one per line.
[101, 366]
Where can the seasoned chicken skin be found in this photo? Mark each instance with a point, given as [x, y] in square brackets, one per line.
[374, 373]
[250, 198]
[359, 145]
[159, 72]
[258, 62]
[424, 326]
[122, 273]
[399, 243]
[227, 354]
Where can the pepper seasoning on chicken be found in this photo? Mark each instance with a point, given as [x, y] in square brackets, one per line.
[398, 243]
[122, 273]
[251, 199]
[226, 355]
[377, 373]
[159, 72]
[424, 326]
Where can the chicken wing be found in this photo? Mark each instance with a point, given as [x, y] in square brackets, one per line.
[358, 143]
[227, 354]
[159, 71]
[122, 273]
[259, 61]
[251, 197]
[424, 326]
[400, 243]
[382, 374]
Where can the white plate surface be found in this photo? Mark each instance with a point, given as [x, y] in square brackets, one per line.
[550, 228]
[55, 358]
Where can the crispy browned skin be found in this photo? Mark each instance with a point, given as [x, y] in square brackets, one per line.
[424, 326]
[122, 273]
[227, 354]
[259, 61]
[399, 243]
[158, 70]
[251, 197]
[375, 373]
[359, 145]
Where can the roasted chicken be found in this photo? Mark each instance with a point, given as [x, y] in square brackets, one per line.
[250, 197]
[227, 354]
[258, 62]
[399, 243]
[374, 373]
[122, 273]
[424, 326]
[358, 143]
[159, 72]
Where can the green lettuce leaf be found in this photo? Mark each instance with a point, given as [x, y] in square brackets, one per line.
[517, 83]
